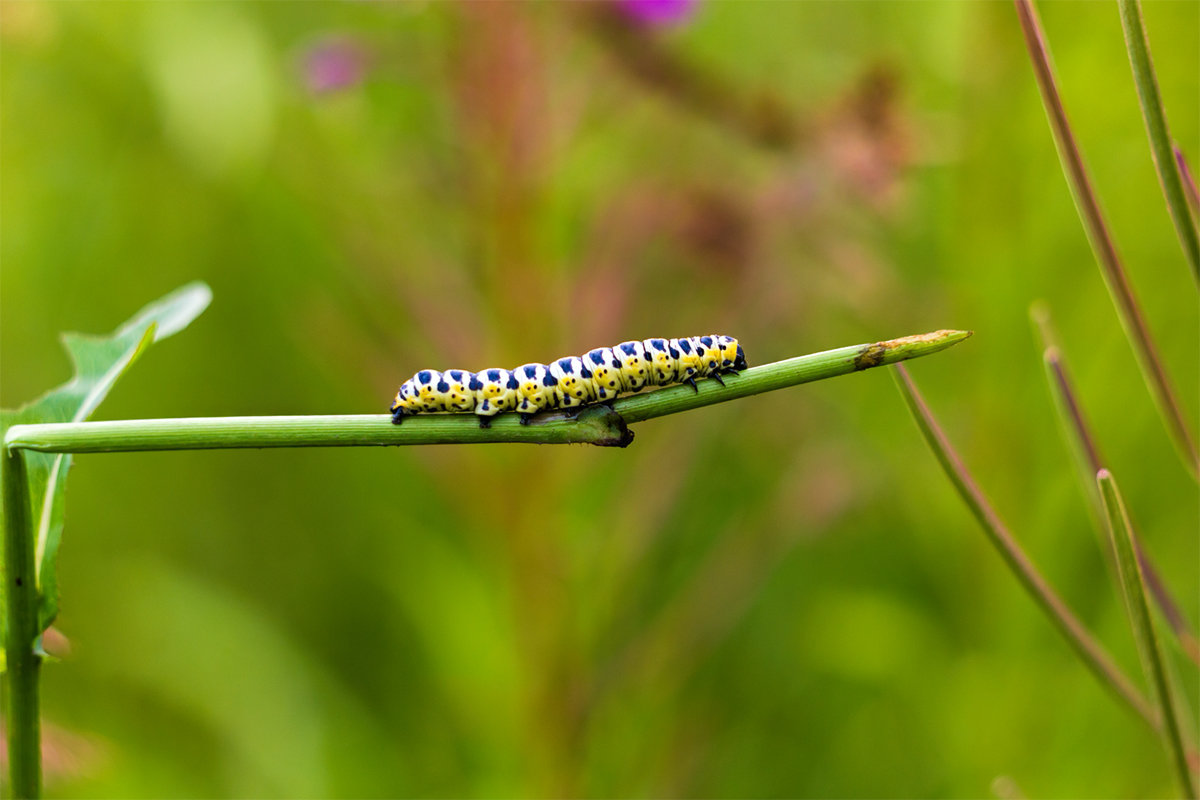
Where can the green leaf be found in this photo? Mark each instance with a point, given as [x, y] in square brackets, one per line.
[99, 361]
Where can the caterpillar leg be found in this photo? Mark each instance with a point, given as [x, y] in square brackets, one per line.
[716, 376]
[398, 416]
[731, 371]
[485, 422]
[525, 418]
[692, 383]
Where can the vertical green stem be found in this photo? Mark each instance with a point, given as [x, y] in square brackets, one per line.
[1156, 130]
[20, 588]
[1128, 309]
[1133, 588]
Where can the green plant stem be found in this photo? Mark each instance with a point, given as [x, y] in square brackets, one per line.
[598, 425]
[1156, 129]
[23, 727]
[1133, 589]
[1086, 647]
[1189, 183]
[1086, 455]
[1102, 244]
[782, 374]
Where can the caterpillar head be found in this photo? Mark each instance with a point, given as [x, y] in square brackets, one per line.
[739, 363]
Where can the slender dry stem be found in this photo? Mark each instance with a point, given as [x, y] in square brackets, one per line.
[1085, 646]
[1189, 182]
[1086, 454]
[1088, 206]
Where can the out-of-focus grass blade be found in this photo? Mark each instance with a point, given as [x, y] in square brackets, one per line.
[1119, 287]
[1143, 626]
[1087, 648]
[1189, 182]
[1086, 455]
[99, 361]
[1156, 129]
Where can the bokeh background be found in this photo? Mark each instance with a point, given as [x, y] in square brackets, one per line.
[780, 597]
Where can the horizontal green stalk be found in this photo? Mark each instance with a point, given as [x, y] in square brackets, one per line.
[1085, 646]
[783, 374]
[1134, 591]
[599, 425]
[1156, 130]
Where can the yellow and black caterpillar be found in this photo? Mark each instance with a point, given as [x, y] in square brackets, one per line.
[598, 376]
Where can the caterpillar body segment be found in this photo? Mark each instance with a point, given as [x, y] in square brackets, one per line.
[428, 398]
[535, 389]
[575, 387]
[455, 390]
[689, 365]
[600, 375]
[709, 353]
[495, 391]
[664, 361]
[606, 373]
[635, 366]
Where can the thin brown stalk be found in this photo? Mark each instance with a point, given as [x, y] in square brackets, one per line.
[1189, 182]
[1088, 206]
[1086, 454]
[1089, 453]
[1085, 646]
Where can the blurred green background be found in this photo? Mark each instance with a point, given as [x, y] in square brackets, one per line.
[780, 597]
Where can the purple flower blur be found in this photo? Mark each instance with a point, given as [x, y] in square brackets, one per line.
[334, 63]
[657, 12]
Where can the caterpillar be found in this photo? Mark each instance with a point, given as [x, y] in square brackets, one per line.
[598, 376]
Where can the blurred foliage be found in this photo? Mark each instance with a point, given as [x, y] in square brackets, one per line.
[781, 597]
